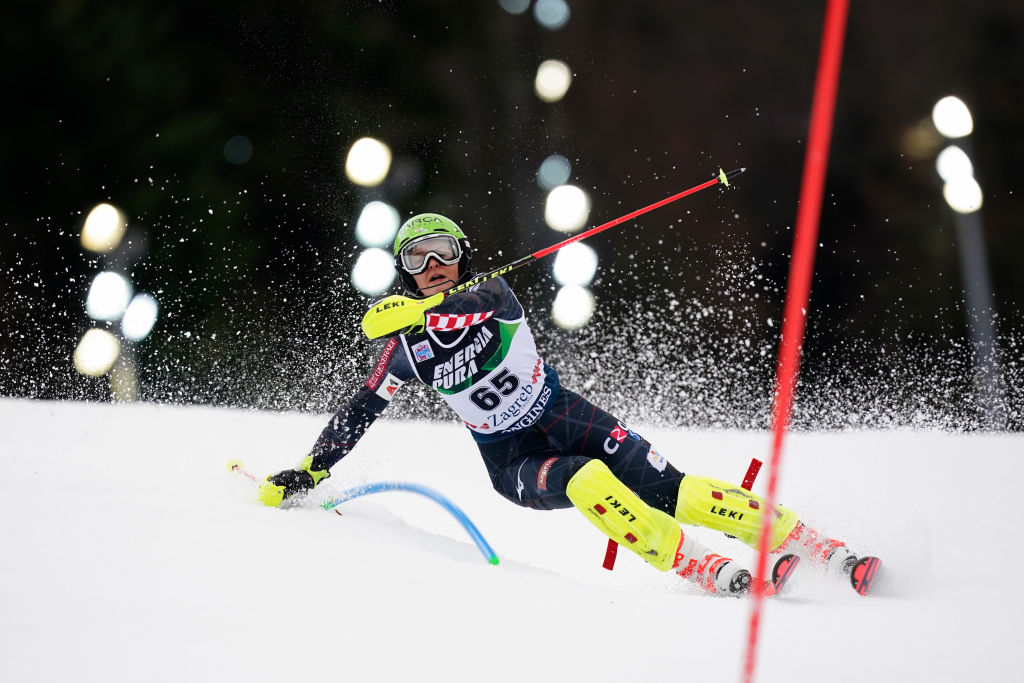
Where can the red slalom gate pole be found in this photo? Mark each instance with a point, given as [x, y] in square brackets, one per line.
[801, 270]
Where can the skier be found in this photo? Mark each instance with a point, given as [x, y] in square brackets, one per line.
[544, 446]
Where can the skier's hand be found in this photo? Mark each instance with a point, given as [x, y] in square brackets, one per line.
[282, 486]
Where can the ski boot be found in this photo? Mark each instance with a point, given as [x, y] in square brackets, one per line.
[833, 556]
[724, 576]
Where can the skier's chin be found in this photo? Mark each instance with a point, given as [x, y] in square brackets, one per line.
[435, 287]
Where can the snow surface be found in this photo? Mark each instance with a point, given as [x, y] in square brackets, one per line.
[131, 553]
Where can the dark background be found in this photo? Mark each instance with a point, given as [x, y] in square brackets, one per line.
[132, 103]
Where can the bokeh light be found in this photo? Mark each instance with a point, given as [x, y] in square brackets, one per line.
[377, 224]
[575, 264]
[368, 162]
[139, 317]
[96, 353]
[374, 271]
[953, 163]
[104, 228]
[952, 118]
[573, 307]
[551, 14]
[963, 194]
[553, 171]
[567, 208]
[553, 80]
[238, 150]
[108, 296]
[514, 6]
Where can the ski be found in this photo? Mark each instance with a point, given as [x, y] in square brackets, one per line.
[864, 573]
[742, 583]
[781, 574]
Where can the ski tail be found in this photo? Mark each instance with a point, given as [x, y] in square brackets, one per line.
[864, 574]
[782, 572]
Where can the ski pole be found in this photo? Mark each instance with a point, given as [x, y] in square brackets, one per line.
[236, 466]
[397, 312]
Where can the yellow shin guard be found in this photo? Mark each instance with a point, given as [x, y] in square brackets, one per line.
[622, 516]
[730, 509]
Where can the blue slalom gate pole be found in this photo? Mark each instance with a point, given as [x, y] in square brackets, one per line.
[458, 514]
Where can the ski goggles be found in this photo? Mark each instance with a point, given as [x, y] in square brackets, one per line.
[417, 254]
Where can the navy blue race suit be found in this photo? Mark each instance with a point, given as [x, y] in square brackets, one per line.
[478, 353]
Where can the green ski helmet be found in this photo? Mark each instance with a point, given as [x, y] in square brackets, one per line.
[423, 227]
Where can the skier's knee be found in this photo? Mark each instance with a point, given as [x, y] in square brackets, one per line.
[539, 484]
[622, 516]
[728, 508]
